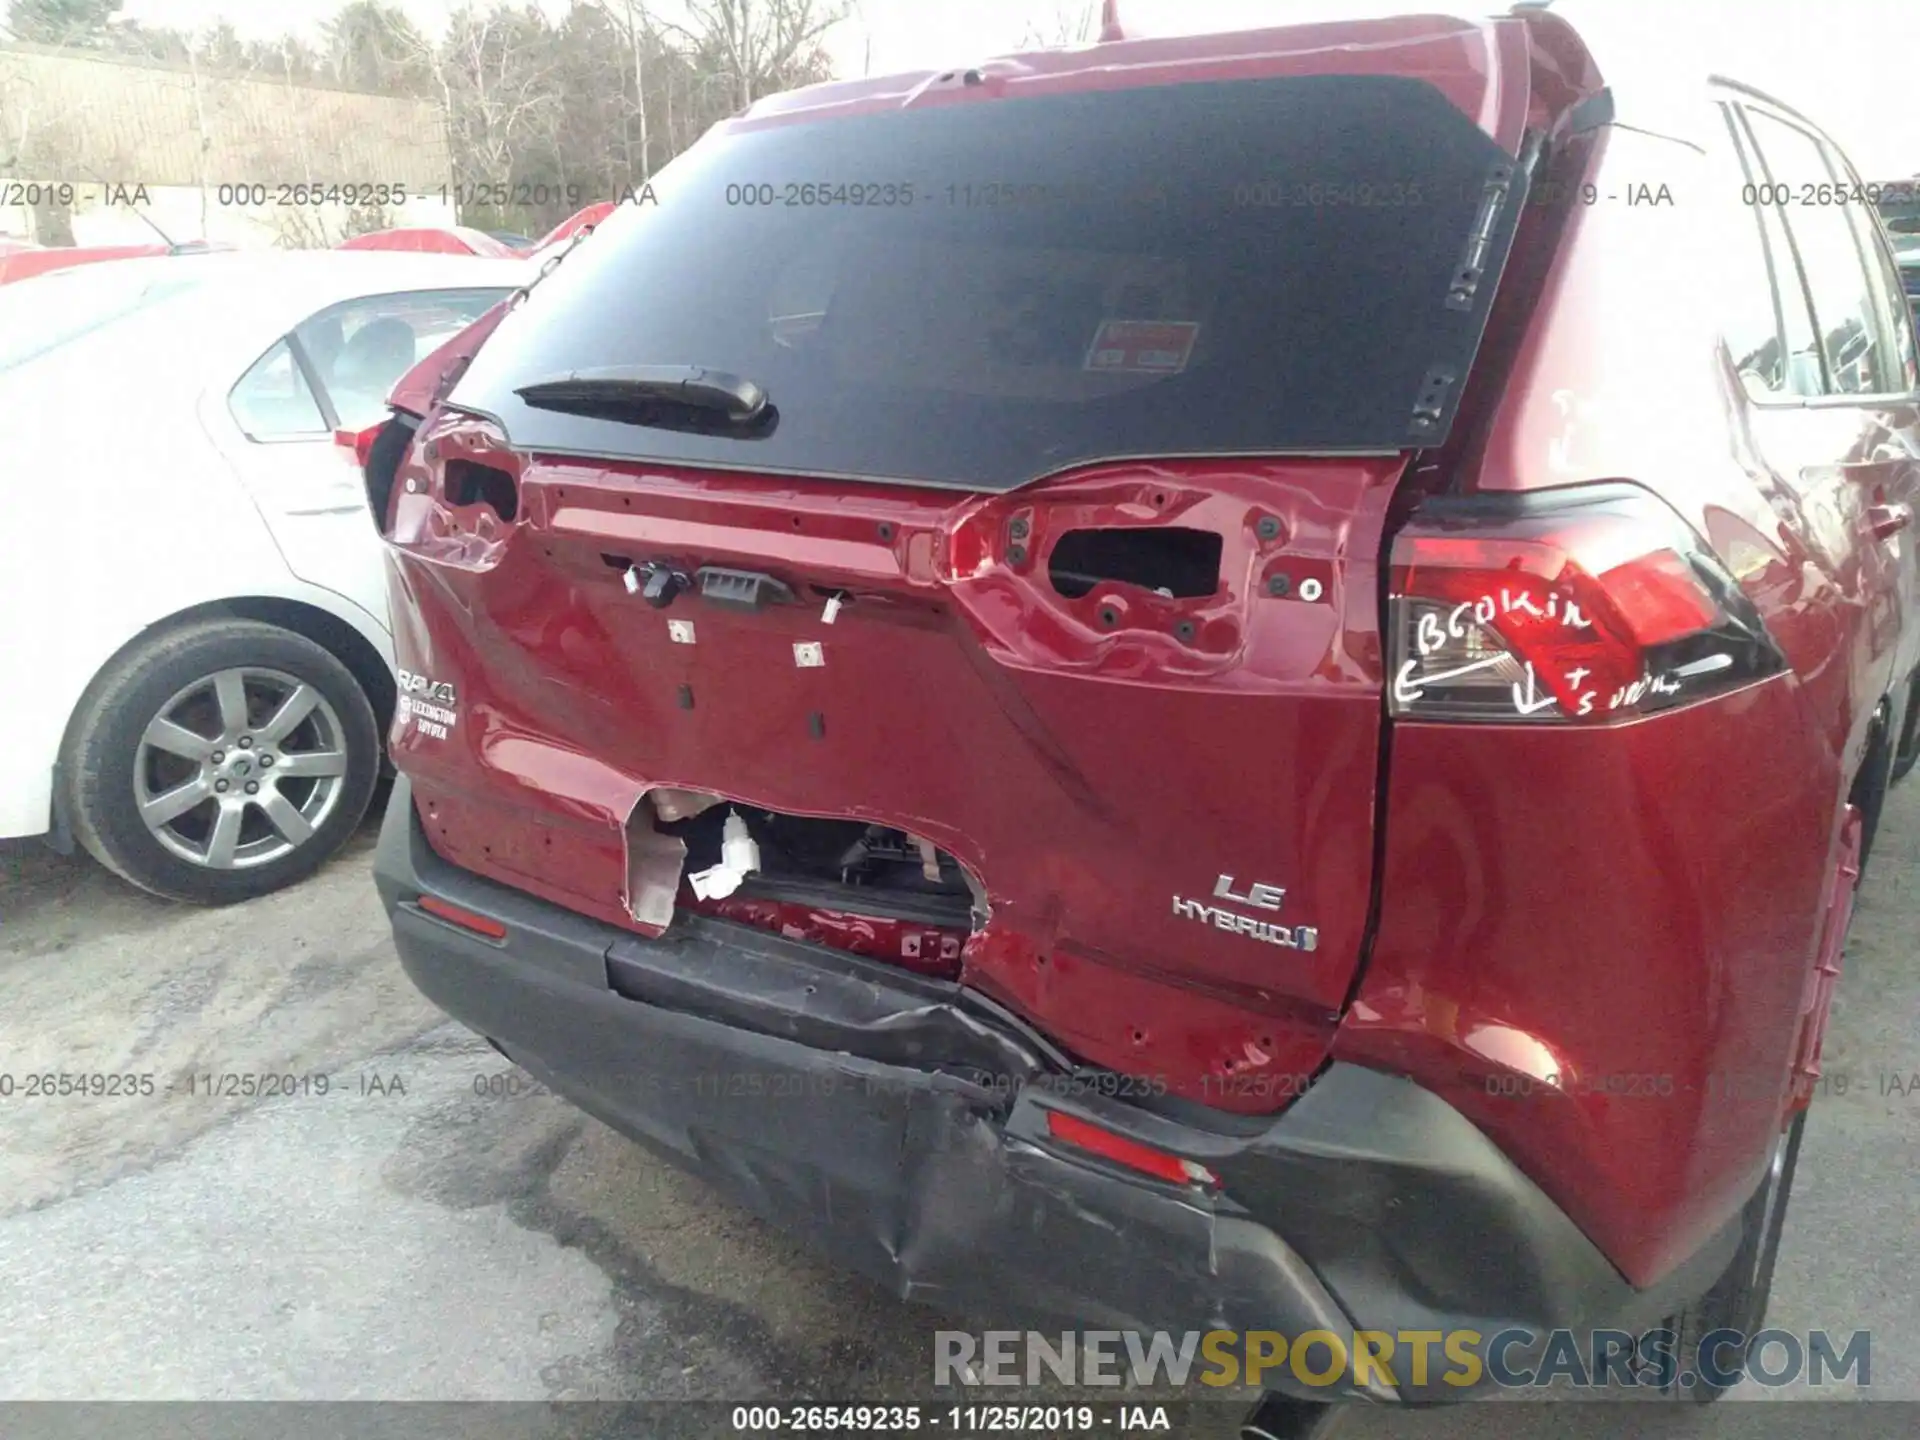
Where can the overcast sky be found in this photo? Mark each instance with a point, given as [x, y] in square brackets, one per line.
[1853, 65]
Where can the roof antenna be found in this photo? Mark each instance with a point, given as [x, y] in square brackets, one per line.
[172, 247]
[1110, 22]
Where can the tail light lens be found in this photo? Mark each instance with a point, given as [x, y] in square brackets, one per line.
[357, 445]
[1585, 606]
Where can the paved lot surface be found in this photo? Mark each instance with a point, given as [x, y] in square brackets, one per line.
[434, 1227]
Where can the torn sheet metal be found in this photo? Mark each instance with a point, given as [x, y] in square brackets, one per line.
[914, 945]
[654, 863]
[674, 805]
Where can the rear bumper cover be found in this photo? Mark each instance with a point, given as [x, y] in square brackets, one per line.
[901, 1124]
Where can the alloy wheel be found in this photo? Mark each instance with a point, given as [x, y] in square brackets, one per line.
[240, 768]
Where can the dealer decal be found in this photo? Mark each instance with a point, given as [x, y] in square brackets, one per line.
[426, 705]
[1142, 347]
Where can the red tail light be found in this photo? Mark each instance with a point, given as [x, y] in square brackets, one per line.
[1589, 605]
[358, 443]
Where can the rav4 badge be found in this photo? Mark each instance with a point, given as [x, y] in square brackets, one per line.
[439, 692]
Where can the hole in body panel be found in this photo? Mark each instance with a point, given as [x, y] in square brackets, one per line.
[471, 483]
[1171, 560]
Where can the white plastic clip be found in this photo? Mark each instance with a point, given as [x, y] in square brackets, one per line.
[632, 578]
[739, 858]
[832, 612]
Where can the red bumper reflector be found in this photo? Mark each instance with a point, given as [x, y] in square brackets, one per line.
[465, 919]
[1085, 1135]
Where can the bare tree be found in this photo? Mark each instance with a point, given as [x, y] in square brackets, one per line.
[19, 118]
[36, 142]
[498, 86]
[40, 144]
[291, 153]
[205, 147]
[1072, 22]
[570, 102]
[63, 22]
[26, 146]
[759, 42]
[638, 33]
[371, 45]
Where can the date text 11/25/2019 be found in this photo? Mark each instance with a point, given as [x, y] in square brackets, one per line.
[197, 1084]
[951, 1419]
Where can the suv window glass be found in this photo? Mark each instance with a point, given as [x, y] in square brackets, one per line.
[1883, 276]
[48, 311]
[273, 400]
[1859, 354]
[1906, 254]
[1760, 297]
[359, 350]
[979, 293]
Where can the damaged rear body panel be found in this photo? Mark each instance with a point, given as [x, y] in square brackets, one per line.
[906, 1125]
[1028, 526]
[1167, 802]
[1035, 670]
[894, 667]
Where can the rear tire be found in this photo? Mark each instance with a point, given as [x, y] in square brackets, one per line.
[1872, 785]
[1908, 753]
[1738, 1299]
[219, 761]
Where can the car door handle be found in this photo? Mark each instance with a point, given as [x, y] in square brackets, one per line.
[1886, 521]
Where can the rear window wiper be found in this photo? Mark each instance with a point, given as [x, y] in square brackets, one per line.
[666, 395]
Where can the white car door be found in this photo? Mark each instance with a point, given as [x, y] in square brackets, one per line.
[278, 421]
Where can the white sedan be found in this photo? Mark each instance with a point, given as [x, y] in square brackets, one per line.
[195, 661]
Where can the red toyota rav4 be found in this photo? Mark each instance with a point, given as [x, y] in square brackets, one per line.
[1223, 682]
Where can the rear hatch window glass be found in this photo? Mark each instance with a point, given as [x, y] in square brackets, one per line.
[40, 315]
[986, 291]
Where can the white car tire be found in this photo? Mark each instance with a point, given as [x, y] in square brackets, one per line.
[220, 760]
